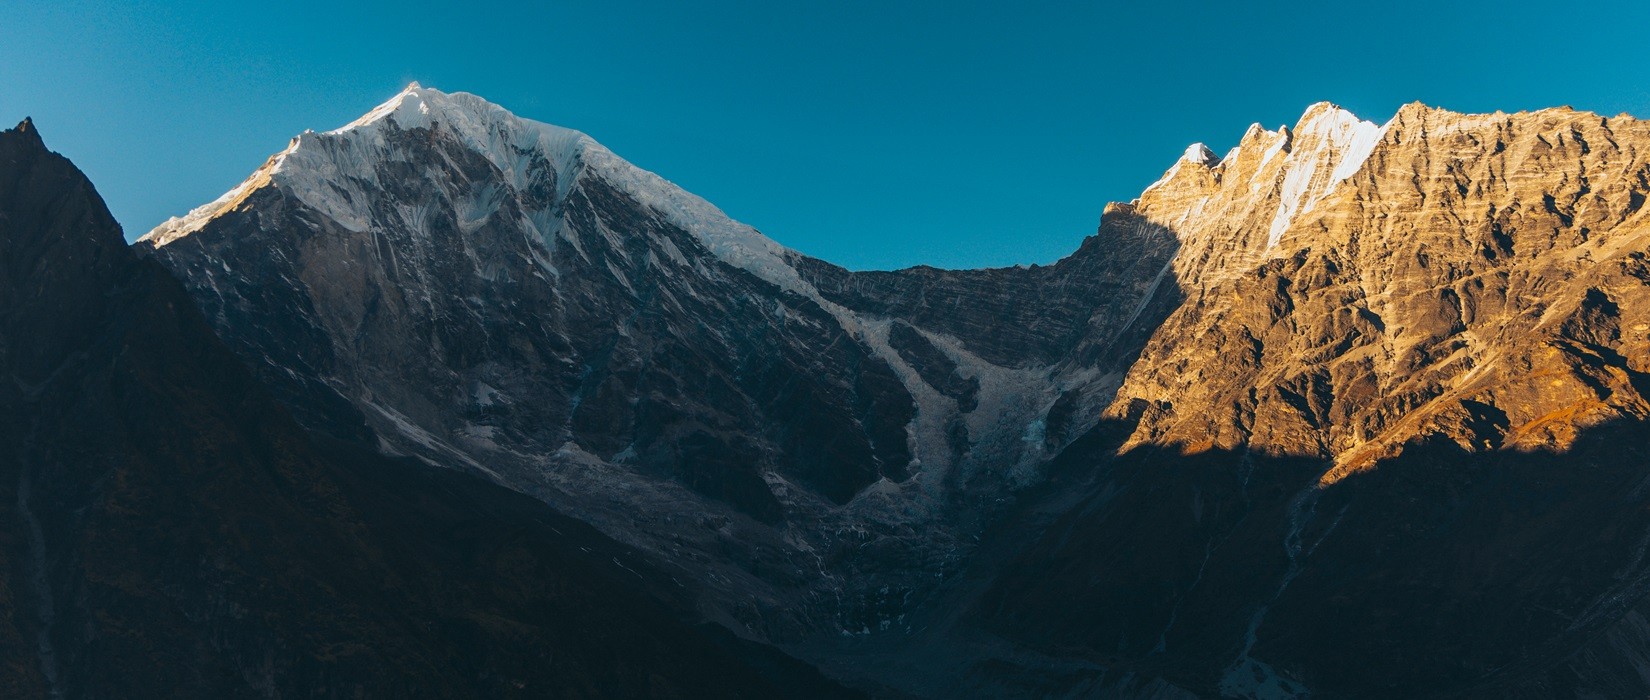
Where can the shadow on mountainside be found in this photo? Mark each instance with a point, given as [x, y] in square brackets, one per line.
[1116, 280]
[1438, 573]
[1091, 314]
[1085, 320]
[171, 532]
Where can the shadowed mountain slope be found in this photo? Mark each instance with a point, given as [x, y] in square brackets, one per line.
[172, 533]
[509, 298]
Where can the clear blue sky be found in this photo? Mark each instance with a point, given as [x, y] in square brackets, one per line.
[872, 134]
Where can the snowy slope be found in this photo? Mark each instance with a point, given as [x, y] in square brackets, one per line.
[331, 172]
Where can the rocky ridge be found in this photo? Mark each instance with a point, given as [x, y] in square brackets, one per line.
[1474, 278]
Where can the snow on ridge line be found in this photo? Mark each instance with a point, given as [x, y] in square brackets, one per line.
[735, 243]
[180, 226]
[312, 161]
[1200, 154]
[1328, 139]
[1327, 146]
[332, 173]
[1354, 139]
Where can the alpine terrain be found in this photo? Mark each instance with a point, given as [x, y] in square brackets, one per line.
[171, 532]
[1353, 410]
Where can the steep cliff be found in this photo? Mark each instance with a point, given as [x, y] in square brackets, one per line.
[1393, 442]
[1476, 278]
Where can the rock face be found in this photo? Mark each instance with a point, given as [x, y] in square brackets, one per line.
[1354, 410]
[172, 533]
[1393, 441]
[1477, 279]
[511, 299]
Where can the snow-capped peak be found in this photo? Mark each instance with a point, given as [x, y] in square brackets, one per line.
[1200, 154]
[335, 173]
[407, 108]
[506, 140]
[1197, 155]
[1269, 180]
[1327, 146]
[1352, 139]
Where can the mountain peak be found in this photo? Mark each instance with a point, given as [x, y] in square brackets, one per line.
[483, 126]
[1325, 117]
[313, 160]
[1412, 111]
[339, 174]
[27, 130]
[407, 108]
[1267, 182]
[1200, 154]
[1324, 110]
[39, 190]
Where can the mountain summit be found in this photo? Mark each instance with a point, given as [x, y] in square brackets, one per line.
[333, 172]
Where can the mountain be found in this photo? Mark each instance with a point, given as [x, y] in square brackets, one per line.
[447, 281]
[173, 533]
[1354, 410]
[1457, 277]
[1393, 442]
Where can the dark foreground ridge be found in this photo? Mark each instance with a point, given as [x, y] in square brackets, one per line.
[170, 532]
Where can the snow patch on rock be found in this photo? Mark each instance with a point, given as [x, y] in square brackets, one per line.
[1328, 146]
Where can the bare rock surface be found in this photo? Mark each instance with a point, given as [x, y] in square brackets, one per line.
[1392, 443]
